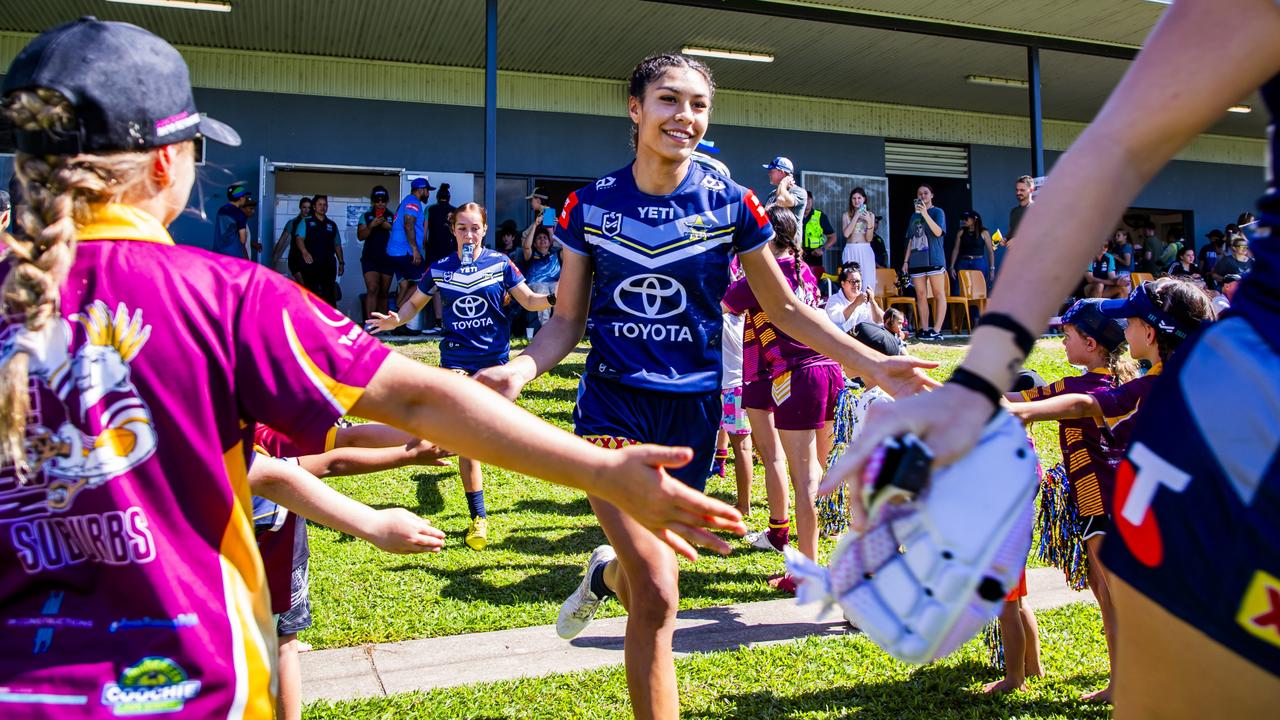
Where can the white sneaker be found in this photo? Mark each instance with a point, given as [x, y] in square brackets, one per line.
[759, 539]
[580, 609]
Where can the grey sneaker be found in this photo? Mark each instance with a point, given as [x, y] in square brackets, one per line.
[759, 539]
[580, 609]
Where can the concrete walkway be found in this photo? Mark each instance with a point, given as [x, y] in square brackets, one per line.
[390, 668]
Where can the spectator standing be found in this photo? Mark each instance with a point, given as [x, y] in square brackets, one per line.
[819, 237]
[286, 239]
[1209, 254]
[787, 192]
[542, 263]
[404, 247]
[231, 225]
[1158, 252]
[1237, 262]
[972, 249]
[543, 214]
[1024, 189]
[508, 241]
[926, 263]
[374, 231]
[321, 246]
[858, 226]
[440, 241]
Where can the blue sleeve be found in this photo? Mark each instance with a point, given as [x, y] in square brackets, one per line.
[569, 226]
[427, 284]
[511, 275]
[753, 229]
[242, 222]
[941, 218]
[300, 229]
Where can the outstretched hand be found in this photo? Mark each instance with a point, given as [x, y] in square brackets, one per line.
[382, 323]
[679, 515]
[950, 421]
[503, 379]
[903, 375]
[397, 530]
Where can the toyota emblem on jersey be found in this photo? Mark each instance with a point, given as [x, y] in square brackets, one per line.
[650, 296]
[470, 306]
[611, 224]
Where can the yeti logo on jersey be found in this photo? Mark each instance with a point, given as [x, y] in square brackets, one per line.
[607, 182]
[611, 224]
[711, 183]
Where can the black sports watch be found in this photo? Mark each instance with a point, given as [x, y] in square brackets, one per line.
[551, 299]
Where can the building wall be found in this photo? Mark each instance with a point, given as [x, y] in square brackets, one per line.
[363, 132]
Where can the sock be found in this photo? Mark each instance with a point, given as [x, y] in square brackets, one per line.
[779, 532]
[475, 503]
[722, 454]
[598, 586]
[717, 466]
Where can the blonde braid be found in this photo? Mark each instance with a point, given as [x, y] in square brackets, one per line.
[1121, 366]
[58, 194]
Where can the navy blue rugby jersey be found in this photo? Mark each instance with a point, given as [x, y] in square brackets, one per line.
[661, 266]
[476, 333]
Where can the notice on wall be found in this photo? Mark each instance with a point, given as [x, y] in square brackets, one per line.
[353, 214]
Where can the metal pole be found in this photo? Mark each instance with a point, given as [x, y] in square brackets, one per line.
[1037, 117]
[490, 109]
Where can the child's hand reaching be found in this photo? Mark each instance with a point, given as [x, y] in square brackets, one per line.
[397, 530]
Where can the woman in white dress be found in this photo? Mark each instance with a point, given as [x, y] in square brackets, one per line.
[859, 228]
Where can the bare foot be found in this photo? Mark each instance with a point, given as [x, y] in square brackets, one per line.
[1036, 671]
[744, 511]
[1003, 686]
[1098, 696]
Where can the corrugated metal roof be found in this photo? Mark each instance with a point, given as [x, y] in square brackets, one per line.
[604, 38]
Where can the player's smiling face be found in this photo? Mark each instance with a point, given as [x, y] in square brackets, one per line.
[673, 115]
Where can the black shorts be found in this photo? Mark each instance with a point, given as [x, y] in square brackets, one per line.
[295, 261]
[403, 267]
[1095, 525]
[380, 264]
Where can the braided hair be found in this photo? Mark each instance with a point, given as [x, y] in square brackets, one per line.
[784, 238]
[59, 191]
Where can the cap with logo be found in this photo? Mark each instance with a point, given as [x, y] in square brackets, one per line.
[420, 183]
[236, 191]
[130, 90]
[537, 193]
[1086, 316]
[379, 193]
[1140, 305]
[781, 163]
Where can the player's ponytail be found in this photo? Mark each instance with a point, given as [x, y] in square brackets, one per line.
[58, 194]
[1121, 366]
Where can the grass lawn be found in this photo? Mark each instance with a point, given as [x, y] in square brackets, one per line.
[540, 535]
[814, 678]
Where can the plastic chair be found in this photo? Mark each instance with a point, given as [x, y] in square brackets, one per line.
[973, 286]
[1140, 277]
[887, 285]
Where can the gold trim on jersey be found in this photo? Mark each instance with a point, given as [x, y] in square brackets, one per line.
[116, 221]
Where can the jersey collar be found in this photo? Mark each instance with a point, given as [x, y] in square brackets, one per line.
[115, 221]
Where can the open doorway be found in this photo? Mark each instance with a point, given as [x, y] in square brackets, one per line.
[1176, 224]
[952, 195]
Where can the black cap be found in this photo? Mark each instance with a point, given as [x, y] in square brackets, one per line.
[130, 89]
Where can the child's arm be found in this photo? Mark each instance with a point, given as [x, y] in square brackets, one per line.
[1062, 407]
[360, 460]
[394, 530]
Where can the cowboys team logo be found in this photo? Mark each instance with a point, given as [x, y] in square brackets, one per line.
[651, 296]
[88, 422]
[469, 307]
[695, 227]
[611, 224]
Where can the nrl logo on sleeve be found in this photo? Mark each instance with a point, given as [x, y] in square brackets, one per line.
[152, 685]
[605, 183]
[611, 224]
[713, 184]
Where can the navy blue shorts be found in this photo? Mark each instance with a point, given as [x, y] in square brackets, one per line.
[1195, 522]
[403, 267]
[611, 414]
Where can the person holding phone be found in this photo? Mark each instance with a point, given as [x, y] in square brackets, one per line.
[854, 303]
[858, 227]
[926, 263]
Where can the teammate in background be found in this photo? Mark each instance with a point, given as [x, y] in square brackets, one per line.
[283, 483]
[231, 225]
[471, 284]
[440, 241]
[648, 250]
[374, 231]
[320, 243]
[735, 430]
[170, 363]
[803, 385]
[404, 247]
[1095, 342]
[287, 238]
